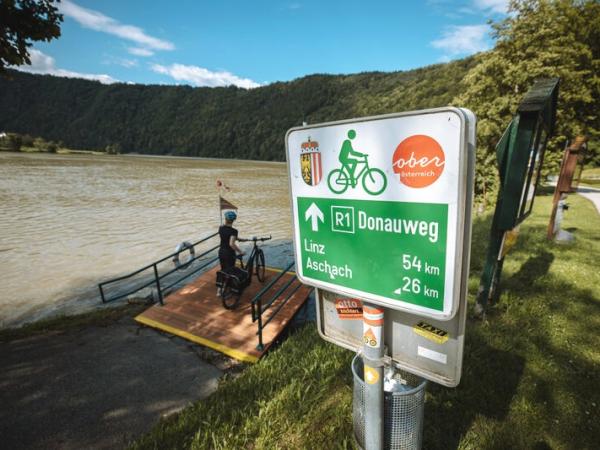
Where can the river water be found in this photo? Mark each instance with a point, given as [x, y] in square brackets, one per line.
[68, 222]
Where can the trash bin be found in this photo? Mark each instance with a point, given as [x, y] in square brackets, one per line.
[402, 409]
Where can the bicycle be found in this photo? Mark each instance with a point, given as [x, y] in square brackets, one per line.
[374, 180]
[234, 283]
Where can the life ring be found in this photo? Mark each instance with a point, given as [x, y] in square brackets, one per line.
[180, 248]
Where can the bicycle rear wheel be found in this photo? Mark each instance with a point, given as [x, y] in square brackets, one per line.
[338, 181]
[260, 265]
[229, 298]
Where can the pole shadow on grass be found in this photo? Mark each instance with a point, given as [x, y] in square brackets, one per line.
[548, 373]
[533, 269]
[489, 382]
[555, 333]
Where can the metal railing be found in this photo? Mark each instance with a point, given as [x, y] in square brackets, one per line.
[156, 279]
[259, 306]
[263, 311]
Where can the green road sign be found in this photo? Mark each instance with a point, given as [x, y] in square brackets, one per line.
[411, 236]
[379, 208]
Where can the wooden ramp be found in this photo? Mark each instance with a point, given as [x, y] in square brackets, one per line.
[195, 313]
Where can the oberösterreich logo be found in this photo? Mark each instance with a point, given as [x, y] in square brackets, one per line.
[419, 161]
[310, 163]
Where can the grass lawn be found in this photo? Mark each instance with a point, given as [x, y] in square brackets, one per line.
[591, 177]
[531, 371]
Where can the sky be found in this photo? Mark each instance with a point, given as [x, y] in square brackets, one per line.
[254, 43]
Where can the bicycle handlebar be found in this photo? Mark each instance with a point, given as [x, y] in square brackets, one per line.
[255, 239]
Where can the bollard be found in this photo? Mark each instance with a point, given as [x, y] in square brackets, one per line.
[562, 236]
[373, 375]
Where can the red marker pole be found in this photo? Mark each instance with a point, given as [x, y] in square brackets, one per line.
[373, 375]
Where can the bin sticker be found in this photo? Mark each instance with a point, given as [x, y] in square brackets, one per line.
[371, 375]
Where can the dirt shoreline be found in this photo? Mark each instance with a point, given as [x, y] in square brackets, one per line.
[100, 380]
[98, 386]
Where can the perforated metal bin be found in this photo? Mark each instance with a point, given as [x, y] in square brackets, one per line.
[402, 410]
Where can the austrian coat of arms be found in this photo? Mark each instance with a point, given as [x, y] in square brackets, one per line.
[310, 162]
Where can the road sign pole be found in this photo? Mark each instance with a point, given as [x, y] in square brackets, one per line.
[373, 352]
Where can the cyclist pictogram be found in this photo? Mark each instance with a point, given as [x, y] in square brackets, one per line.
[373, 180]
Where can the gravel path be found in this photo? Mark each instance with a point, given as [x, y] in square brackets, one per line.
[98, 388]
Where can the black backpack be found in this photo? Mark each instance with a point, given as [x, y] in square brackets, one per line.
[237, 276]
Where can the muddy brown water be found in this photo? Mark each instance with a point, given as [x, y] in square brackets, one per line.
[68, 222]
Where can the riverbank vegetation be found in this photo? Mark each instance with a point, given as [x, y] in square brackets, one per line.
[15, 142]
[100, 318]
[530, 370]
[538, 39]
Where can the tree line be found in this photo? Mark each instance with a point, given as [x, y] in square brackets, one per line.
[225, 122]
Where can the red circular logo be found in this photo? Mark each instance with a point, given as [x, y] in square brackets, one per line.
[419, 161]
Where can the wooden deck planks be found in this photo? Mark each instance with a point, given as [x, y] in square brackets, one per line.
[194, 312]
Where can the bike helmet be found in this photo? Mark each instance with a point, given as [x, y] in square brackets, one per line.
[230, 215]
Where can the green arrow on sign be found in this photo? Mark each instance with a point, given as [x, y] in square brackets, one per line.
[314, 214]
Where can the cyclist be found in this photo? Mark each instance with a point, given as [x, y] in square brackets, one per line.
[228, 247]
[350, 157]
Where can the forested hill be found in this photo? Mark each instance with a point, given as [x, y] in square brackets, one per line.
[214, 122]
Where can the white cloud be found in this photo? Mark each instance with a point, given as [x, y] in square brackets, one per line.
[97, 21]
[138, 51]
[40, 61]
[466, 39]
[466, 10]
[199, 76]
[496, 6]
[128, 63]
[45, 64]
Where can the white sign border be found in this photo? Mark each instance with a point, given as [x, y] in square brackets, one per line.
[463, 223]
